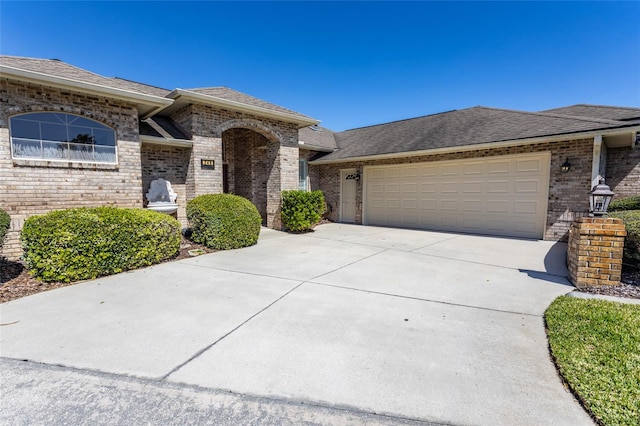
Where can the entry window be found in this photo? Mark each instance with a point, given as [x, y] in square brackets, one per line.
[61, 137]
[303, 175]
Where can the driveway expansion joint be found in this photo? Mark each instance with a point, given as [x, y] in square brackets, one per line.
[206, 348]
[460, 305]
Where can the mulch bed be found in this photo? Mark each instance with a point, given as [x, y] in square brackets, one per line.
[15, 281]
[629, 286]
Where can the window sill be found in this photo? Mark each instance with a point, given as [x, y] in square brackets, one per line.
[21, 162]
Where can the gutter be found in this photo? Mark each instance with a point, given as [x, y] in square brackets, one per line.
[239, 106]
[155, 140]
[488, 145]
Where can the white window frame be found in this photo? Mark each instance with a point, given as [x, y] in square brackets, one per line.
[60, 146]
[303, 169]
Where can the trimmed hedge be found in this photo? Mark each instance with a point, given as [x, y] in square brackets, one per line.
[223, 221]
[301, 209]
[631, 220]
[5, 221]
[85, 243]
[626, 203]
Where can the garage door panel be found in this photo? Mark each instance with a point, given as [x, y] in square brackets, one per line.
[450, 170]
[528, 165]
[377, 188]
[449, 187]
[449, 205]
[498, 206]
[500, 195]
[497, 186]
[530, 207]
[392, 203]
[431, 187]
[410, 188]
[474, 169]
[430, 204]
[377, 174]
[472, 206]
[498, 167]
[392, 188]
[475, 187]
[410, 204]
[529, 185]
[377, 203]
[410, 172]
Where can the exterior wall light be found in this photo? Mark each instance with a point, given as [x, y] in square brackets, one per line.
[599, 199]
[566, 166]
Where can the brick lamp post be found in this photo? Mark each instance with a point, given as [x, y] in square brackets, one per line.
[596, 243]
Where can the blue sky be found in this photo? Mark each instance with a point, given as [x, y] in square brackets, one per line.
[349, 64]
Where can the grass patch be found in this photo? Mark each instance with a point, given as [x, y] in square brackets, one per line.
[596, 346]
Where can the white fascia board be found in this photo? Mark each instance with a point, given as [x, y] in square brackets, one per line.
[502, 144]
[239, 106]
[93, 88]
[304, 145]
[155, 140]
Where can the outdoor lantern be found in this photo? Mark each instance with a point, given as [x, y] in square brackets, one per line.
[599, 199]
[565, 166]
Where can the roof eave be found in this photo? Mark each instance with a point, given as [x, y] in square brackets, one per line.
[146, 104]
[188, 95]
[304, 145]
[488, 145]
[156, 140]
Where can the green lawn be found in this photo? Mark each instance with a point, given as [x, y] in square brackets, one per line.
[596, 345]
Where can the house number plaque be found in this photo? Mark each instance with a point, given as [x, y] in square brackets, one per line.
[207, 164]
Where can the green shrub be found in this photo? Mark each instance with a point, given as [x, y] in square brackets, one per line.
[85, 243]
[631, 220]
[301, 209]
[5, 221]
[626, 203]
[223, 221]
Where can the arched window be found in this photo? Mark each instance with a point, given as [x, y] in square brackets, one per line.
[62, 137]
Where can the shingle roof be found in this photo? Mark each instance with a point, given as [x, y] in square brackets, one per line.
[234, 95]
[57, 68]
[317, 137]
[459, 128]
[598, 111]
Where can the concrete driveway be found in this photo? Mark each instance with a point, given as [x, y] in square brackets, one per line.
[411, 325]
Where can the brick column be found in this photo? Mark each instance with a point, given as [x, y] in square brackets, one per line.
[595, 251]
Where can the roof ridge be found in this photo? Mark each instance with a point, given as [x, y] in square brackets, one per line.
[138, 82]
[556, 115]
[58, 61]
[597, 106]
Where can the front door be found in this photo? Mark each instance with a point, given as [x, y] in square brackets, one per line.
[348, 183]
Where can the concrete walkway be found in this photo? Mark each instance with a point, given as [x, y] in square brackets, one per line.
[400, 324]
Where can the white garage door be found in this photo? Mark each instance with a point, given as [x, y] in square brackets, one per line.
[504, 195]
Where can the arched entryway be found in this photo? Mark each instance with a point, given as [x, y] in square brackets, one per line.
[245, 166]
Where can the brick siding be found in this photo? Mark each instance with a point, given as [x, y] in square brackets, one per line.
[623, 171]
[170, 163]
[595, 251]
[30, 187]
